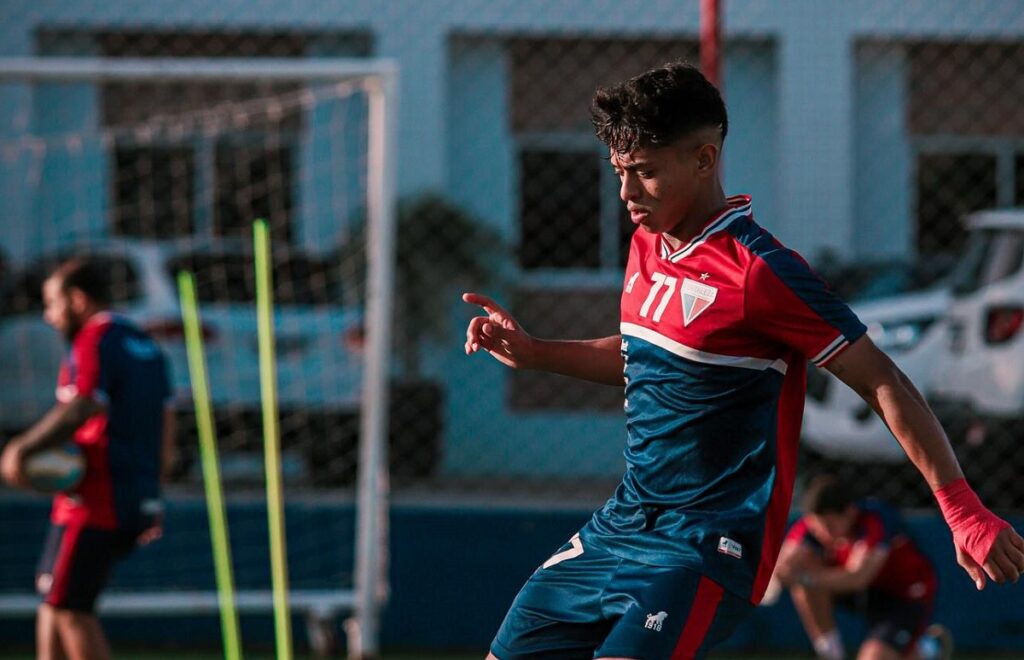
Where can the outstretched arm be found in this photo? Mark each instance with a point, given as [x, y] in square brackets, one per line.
[985, 544]
[498, 333]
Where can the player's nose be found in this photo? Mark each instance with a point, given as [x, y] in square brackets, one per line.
[628, 189]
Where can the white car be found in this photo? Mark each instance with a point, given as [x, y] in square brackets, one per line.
[837, 422]
[978, 390]
[317, 339]
[982, 366]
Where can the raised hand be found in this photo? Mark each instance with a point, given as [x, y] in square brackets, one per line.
[498, 333]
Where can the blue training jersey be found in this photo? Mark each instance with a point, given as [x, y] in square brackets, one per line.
[715, 337]
[116, 363]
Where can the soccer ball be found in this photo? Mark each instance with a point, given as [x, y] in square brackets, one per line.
[55, 469]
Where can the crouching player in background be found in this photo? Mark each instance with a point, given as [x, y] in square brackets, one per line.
[858, 555]
[112, 396]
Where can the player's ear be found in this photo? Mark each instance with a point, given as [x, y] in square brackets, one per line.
[707, 158]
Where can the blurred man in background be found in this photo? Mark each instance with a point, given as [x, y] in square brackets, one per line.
[113, 392]
[718, 320]
[859, 555]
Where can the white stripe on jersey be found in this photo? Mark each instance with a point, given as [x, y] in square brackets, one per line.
[684, 351]
[713, 228]
[837, 344]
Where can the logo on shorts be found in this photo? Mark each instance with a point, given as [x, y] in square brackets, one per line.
[729, 547]
[655, 621]
[696, 298]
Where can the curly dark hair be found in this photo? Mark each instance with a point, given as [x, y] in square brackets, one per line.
[656, 108]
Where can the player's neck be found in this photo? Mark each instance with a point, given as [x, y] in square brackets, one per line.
[703, 210]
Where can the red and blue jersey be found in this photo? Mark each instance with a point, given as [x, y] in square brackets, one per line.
[907, 573]
[115, 363]
[715, 337]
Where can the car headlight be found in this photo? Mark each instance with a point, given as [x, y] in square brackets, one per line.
[897, 337]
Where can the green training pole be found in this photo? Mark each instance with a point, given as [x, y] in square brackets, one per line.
[272, 440]
[211, 469]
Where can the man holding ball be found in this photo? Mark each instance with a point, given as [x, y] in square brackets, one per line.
[113, 393]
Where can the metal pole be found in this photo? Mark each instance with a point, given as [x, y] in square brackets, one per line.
[372, 482]
[710, 41]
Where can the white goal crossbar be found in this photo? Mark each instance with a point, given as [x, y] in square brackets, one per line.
[378, 78]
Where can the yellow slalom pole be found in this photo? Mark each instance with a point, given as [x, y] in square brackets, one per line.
[211, 469]
[272, 440]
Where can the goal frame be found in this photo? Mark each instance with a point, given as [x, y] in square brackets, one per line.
[378, 78]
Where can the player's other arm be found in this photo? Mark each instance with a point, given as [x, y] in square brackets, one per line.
[860, 571]
[55, 427]
[498, 333]
[982, 540]
[800, 565]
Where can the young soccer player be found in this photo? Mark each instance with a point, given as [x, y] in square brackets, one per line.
[112, 395]
[717, 322]
[858, 555]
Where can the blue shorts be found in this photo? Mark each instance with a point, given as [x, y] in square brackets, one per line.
[587, 603]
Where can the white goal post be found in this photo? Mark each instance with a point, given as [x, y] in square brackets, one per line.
[378, 79]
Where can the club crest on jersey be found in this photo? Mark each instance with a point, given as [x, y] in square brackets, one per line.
[697, 297]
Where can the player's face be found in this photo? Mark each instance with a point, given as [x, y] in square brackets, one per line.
[57, 308]
[831, 527]
[658, 185]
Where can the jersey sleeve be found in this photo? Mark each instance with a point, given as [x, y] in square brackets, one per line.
[799, 533]
[874, 532]
[91, 371]
[789, 303]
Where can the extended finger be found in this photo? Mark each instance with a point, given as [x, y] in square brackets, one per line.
[486, 302]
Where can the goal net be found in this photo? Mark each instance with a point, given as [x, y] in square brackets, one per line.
[155, 166]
